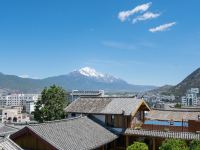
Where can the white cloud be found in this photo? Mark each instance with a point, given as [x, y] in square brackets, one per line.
[162, 27]
[146, 16]
[24, 76]
[28, 76]
[123, 15]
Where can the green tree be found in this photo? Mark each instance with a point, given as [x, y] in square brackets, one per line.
[195, 145]
[51, 104]
[174, 144]
[138, 146]
[178, 105]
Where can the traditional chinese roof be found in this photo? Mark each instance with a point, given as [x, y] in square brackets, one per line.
[106, 105]
[79, 133]
[174, 115]
[8, 144]
[163, 134]
[7, 129]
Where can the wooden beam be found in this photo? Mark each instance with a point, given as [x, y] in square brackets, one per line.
[127, 141]
[154, 144]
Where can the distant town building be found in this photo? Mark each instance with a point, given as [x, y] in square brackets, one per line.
[159, 105]
[30, 106]
[103, 123]
[17, 99]
[12, 115]
[76, 94]
[191, 98]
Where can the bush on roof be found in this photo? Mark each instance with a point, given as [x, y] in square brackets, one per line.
[195, 145]
[174, 144]
[138, 146]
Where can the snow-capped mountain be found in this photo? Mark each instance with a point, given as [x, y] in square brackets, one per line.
[90, 72]
[93, 74]
[89, 79]
[83, 79]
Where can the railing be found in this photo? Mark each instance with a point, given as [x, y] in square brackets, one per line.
[164, 128]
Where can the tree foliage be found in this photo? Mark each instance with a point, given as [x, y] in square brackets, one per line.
[174, 144]
[138, 146]
[51, 104]
[195, 145]
[178, 105]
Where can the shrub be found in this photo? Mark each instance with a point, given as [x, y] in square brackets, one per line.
[138, 146]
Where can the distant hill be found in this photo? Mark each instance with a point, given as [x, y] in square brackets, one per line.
[191, 81]
[161, 90]
[17, 84]
[82, 79]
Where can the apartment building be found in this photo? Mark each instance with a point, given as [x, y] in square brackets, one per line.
[191, 98]
[17, 99]
[30, 106]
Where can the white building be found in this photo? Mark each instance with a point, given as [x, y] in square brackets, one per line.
[30, 106]
[191, 98]
[22, 100]
[12, 115]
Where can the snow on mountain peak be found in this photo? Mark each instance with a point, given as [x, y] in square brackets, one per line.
[90, 72]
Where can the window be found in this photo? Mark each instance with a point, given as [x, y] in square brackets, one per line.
[111, 120]
[73, 115]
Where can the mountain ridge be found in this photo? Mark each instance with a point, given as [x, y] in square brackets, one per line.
[191, 81]
[83, 79]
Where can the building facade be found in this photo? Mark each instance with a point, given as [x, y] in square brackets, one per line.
[30, 106]
[13, 115]
[80, 93]
[26, 100]
[191, 98]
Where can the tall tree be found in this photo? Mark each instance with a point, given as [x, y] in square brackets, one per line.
[138, 146]
[174, 144]
[51, 104]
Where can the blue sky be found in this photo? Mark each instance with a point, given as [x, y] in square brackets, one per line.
[49, 37]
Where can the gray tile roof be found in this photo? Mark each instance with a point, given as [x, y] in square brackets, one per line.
[8, 144]
[162, 134]
[7, 129]
[172, 115]
[79, 133]
[105, 105]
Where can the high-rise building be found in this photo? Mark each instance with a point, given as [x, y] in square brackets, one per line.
[191, 98]
[17, 99]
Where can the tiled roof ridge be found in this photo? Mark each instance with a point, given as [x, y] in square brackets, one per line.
[10, 126]
[11, 141]
[44, 138]
[187, 132]
[176, 110]
[74, 118]
[57, 121]
[108, 97]
[168, 134]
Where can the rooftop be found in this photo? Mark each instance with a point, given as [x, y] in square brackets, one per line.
[175, 115]
[7, 129]
[106, 105]
[164, 134]
[76, 133]
[8, 144]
